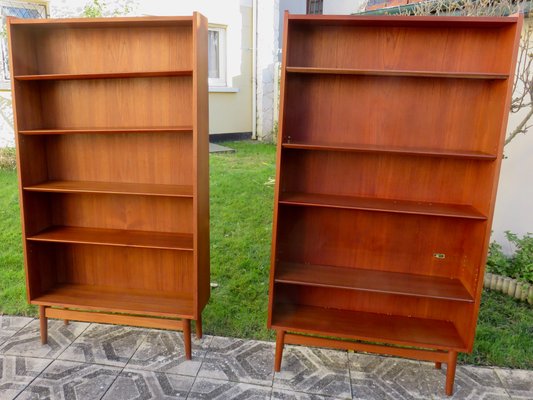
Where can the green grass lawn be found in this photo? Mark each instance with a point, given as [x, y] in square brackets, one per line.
[241, 217]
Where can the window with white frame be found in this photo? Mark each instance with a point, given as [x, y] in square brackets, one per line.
[19, 9]
[217, 56]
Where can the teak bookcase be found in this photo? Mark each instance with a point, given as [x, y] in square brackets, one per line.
[390, 147]
[111, 120]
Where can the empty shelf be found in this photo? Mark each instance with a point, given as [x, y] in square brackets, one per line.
[372, 281]
[365, 148]
[115, 299]
[383, 205]
[146, 189]
[115, 237]
[398, 73]
[108, 75]
[185, 129]
[393, 329]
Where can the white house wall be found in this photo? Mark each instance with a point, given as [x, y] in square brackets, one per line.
[342, 7]
[514, 202]
[230, 109]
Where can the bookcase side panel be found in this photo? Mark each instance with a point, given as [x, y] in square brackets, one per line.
[201, 159]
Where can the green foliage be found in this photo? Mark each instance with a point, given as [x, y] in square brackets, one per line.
[93, 10]
[522, 259]
[497, 261]
[504, 335]
[100, 8]
[519, 265]
[242, 198]
[8, 159]
[12, 281]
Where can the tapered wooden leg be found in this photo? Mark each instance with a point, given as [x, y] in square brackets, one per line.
[280, 338]
[438, 365]
[198, 324]
[65, 322]
[187, 337]
[44, 325]
[450, 372]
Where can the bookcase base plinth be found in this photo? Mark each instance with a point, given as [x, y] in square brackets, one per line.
[183, 325]
[436, 356]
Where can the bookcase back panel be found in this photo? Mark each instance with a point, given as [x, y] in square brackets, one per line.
[103, 50]
[112, 103]
[144, 213]
[148, 269]
[400, 48]
[403, 243]
[425, 179]
[161, 158]
[421, 113]
[120, 267]
[459, 313]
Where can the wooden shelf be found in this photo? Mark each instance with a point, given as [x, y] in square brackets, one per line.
[114, 299]
[115, 237]
[397, 73]
[372, 281]
[381, 205]
[109, 75]
[145, 189]
[184, 129]
[393, 329]
[471, 155]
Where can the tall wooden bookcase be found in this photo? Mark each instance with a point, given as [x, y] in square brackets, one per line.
[111, 121]
[390, 147]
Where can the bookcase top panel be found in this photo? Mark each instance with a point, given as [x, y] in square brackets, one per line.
[91, 23]
[404, 21]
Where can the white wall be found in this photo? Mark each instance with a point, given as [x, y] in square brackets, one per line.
[342, 7]
[514, 204]
[229, 112]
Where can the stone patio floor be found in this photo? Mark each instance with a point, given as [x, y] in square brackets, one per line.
[92, 361]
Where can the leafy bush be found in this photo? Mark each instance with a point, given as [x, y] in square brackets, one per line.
[8, 160]
[522, 259]
[519, 265]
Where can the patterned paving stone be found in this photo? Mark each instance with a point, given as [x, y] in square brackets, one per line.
[133, 384]
[375, 377]
[211, 389]
[470, 383]
[17, 372]
[27, 341]
[314, 371]
[68, 380]
[163, 351]
[11, 325]
[519, 383]
[278, 394]
[105, 344]
[238, 360]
